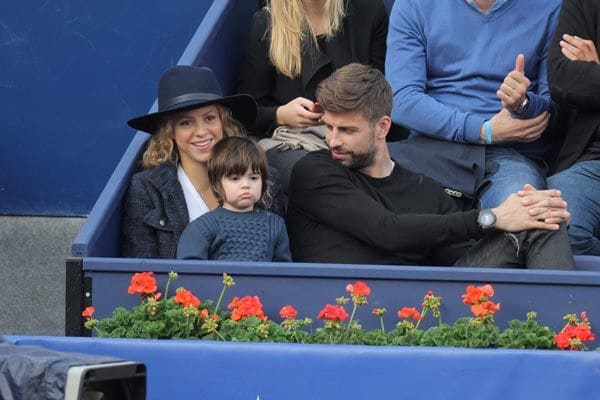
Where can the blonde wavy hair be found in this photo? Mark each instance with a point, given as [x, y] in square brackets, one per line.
[162, 148]
[290, 29]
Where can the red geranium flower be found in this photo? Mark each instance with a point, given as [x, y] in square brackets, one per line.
[142, 283]
[204, 314]
[478, 298]
[88, 312]
[477, 294]
[359, 289]
[288, 312]
[333, 313]
[186, 298]
[583, 333]
[484, 308]
[249, 306]
[487, 290]
[562, 340]
[472, 295]
[409, 312]
[574, 333]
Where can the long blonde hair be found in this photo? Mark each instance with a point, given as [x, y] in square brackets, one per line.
[290, 29]
[161, 147]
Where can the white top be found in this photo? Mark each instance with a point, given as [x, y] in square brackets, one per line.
[195, 204]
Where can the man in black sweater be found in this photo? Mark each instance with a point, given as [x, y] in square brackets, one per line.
[574, 79]
[353, 204]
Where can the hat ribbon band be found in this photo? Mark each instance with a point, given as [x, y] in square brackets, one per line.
[188, 97]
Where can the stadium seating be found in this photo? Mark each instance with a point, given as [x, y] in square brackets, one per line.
[218, 44]
[97, 275]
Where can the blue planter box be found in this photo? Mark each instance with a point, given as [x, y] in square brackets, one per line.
[308, 287]
[217, 370]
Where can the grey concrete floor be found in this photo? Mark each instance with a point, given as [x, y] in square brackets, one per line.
[32, 273]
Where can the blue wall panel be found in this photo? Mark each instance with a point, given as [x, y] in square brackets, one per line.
[71, 74]
[196, 369]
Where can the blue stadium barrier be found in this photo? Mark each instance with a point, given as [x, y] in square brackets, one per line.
[216, 370]
[97, 275]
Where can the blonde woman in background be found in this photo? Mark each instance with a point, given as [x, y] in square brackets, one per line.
[294, 45]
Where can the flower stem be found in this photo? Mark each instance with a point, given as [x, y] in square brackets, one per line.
[489, 321]
[219, 335]
[382, 327]
[167, 289]
[423, 314]
[220, 298]
[350, 321]
[467, 334]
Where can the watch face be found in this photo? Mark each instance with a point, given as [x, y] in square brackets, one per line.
[486, 219]
[523, 107]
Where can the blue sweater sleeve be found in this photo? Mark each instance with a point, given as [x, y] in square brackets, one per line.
[540, 100]
[281, 250]
[196, 239]
[406, 70]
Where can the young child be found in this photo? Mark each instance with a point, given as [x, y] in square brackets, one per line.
[236, 230]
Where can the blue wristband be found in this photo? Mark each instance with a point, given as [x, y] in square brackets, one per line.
[488, 132]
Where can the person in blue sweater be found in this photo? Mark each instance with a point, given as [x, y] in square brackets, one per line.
[469, 80]
[236, 230]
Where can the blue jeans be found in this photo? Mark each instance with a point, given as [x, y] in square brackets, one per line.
[580, 187]
[508, 170]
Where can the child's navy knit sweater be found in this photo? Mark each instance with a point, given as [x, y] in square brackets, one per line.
[222, 234]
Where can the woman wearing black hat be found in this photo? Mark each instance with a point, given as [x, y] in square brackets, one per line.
[173, 189]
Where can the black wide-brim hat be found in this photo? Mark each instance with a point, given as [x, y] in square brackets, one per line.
[186, 87]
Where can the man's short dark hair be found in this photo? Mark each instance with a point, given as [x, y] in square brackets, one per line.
[356, 88]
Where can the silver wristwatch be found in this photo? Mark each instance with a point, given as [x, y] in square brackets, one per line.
[522, 109]
[486, 219]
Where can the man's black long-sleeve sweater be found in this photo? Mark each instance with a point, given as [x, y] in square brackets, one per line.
[340, 215]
